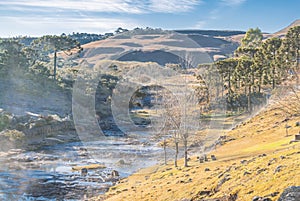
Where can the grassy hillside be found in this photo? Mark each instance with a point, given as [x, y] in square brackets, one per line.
[261, 161]
[132, 43]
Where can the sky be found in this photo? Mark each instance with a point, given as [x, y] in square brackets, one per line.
[43, 17]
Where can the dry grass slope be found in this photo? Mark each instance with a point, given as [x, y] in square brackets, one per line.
[260, 162]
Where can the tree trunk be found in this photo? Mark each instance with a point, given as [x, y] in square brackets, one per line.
[222, 81]
[229, 85]
[273, 81]
[54, 71]
[165, 151]
[297, 66]
[176, 154]
[249, 99]
[259, 85]
[185, 154]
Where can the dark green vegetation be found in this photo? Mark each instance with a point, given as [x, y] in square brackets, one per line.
[257, 67]
[29, 95]
[35, 58]
[82, 38]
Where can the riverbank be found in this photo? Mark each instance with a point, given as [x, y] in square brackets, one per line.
[34, 131]
[54, 172]
[261, 161]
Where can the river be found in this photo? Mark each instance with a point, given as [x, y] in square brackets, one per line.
[47, 174]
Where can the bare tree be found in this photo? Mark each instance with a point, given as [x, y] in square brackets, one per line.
[173, 120]
[287, 99]
[180, 107]
[167, 126]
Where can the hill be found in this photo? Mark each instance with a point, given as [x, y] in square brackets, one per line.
[212, 33]
[260, 160]
[281, 33]
[139, 44]
[284, 31]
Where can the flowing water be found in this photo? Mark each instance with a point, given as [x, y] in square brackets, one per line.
[47, 174]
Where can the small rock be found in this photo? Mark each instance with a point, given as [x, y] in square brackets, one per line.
[271, 161]
[261, 170]
[278, 168]
[206, 169]
[243, 161]
[115, 173]
[84, 172]
[220, 175]
[274, 194]
[246, 173]
[205, 158]
[224, 179]
[204, 193]
[256, 198]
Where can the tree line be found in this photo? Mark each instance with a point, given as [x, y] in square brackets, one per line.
[256, 68]
[16, 56]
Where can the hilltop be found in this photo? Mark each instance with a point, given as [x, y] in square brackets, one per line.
[281, 33]
[145, 45]
[260, 160]
[284, 31]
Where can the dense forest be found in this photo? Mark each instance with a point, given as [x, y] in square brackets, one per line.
[258, 66]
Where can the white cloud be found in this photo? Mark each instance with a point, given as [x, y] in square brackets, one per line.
[113, 6]
[170, 6]
[200, 24]
[91, 5]
[233, 2]
[39, 26]
[37, 17]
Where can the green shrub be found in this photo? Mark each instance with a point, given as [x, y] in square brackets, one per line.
[4, 122]
[14, 135]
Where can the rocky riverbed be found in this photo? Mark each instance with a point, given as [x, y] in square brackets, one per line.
[46, 174]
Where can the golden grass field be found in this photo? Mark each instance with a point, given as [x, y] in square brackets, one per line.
[261, 161]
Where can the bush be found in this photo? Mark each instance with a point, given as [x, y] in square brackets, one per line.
[4, 122]
[13, 135]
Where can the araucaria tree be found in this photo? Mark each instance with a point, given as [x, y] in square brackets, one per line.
[53, 44]
[245, 72]
[271, 51]
[259, 65]
[13, 57]
[226, 69]
[291, 50]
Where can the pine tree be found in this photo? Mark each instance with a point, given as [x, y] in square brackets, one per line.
[54, 44]
[271, 52]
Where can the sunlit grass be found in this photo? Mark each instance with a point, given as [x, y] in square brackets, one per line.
[260, 161]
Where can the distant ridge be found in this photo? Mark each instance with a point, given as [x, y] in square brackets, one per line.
[213, 33]
[284, 31]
